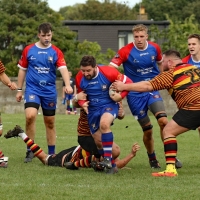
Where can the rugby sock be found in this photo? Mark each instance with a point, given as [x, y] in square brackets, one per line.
[85, 162]
[34, 147]
[68, 108]
[113, 162]
[152, 156]
[101, 152]
[107, 142]
[28, 148]
[51, 149]
[170, 147]
[1, 154]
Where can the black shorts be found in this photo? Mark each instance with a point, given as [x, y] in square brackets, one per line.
[187, 118]
[56, 160]
[88, 144]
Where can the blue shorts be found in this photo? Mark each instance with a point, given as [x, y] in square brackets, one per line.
[68, 96]
[94, 116]
[139, 106]
[48, 103]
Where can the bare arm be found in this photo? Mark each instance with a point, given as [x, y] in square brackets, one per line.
[142, 86]
[21, 77]
[124, 161]
[6, 81]
[65, 75]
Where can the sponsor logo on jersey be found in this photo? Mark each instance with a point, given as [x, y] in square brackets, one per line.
[40, 52]
[94, 82]
[144, 54]
[31, 97]
[32, 58]
[152, 58]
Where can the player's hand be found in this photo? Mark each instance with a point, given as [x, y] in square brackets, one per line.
[134, 149]
[1, 131]
[85, 106]
[118, 86]
[19, 96]
[12, 85]
[81, 95]
[68, 90]
[116, 97]
[121, 112]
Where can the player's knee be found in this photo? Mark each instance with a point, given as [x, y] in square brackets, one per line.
[162, 119]
[147, 128]
[104, 126]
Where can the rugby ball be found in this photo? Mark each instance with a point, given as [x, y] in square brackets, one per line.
[114, 95]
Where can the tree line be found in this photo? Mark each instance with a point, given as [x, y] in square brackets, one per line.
[19, 20]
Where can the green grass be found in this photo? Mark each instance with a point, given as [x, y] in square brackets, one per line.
[35, 181]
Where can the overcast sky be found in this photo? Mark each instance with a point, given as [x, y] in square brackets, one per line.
[57, 4]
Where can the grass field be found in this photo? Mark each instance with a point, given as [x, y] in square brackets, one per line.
[35, 181]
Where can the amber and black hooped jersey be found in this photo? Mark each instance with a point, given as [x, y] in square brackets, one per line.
[83, 126]
[2, 68]
[182, 83]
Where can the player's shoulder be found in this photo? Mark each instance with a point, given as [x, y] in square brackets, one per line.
[150, 43]
[127, 47]
[186, 58]
[55, 48]
[106, 69]
[29, 46]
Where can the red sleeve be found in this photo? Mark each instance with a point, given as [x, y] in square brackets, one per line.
[61, 60]
[186, 59]
[78, 79]
[23, 62]
[122, 55]
[113, 74]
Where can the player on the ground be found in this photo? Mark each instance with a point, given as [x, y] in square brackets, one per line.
[76, 154]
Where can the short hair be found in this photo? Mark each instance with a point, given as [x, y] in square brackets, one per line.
[45, 28]
[195, 35]
[172, 53]
[139, 27]
[88, 61]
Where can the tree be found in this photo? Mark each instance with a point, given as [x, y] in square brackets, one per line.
[95, 10]
[178, 10]
[175, 36]
[19, 20]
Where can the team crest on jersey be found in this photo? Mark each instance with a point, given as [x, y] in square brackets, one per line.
[104, 87]
[50, 59]
[117, 55]
[52, 104]
[152, 58]
[31, 97]
[156, 96]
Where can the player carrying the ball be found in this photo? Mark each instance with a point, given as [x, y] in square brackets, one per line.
[102, 110]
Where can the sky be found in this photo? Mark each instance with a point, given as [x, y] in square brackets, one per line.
[57, 4]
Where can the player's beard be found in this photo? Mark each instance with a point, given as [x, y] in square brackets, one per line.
[89, 77]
